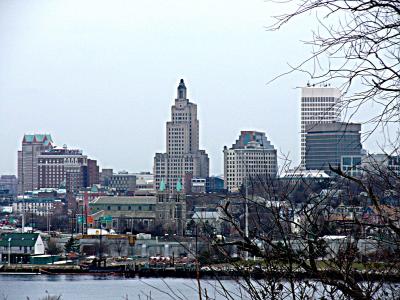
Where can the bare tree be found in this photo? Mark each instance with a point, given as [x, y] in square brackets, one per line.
[321, 247]
[355, 46]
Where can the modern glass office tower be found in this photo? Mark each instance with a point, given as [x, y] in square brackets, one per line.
[327, 143]
[318, 105]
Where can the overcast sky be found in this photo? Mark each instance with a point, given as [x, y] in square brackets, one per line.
[101, 75]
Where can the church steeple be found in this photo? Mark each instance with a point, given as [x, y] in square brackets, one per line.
[181, 90]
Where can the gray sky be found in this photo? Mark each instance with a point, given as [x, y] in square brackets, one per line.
[101, 75]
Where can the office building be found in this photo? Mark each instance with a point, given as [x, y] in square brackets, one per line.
[327, 143]
[252, 156]
[183, 159]
[144, 182]
[62, 167]
[123, 182]
[93, 174]
[32, 146]
[380, 163]
[105, 176]
[351, 165]
[215, 184]
[318, 105]
[198, 185]
[9, 183]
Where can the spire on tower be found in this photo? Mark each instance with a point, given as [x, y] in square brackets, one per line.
[181, 90]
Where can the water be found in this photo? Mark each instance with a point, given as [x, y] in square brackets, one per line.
[82, 287]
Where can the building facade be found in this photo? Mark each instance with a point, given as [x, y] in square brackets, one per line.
[123, 182]
[144, 182]
[165, 211]
[381, 162]
[327, 143]
[318, 105]
[252, 156]
[105, 176]
[351, 165]
[36, 206]
[32, 146]
[20, 246]
[215, 184]
[62, 167]
[9, 183]
[183, 159]
[93, 173]
[198, 185]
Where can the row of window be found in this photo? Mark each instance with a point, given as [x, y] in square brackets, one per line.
[318, 99]
[149, 207]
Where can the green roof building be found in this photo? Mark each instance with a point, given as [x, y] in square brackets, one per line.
[20, 246]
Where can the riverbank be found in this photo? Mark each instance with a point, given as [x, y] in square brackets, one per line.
[217, 271]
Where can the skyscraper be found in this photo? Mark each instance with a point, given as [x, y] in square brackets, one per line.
[183, 160]
[318, 105]
[252, 156]
[32, 146]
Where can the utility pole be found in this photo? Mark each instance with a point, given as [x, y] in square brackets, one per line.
[23, 216]
[246, 228]
[9, 251]
[246, 215]
[82, 219]
[48, 221]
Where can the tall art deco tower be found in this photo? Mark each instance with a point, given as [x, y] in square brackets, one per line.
[183, 160]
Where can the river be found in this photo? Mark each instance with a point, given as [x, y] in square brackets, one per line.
[85, 287]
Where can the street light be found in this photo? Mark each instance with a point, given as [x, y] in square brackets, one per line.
[9, 251]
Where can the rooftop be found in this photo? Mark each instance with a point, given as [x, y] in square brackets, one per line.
[18, 239]
[125, 200]
[45, 139]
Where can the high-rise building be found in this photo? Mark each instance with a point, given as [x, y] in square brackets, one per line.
[327, 143]
[183, 160]
[93, 173]
[32, 146]
[318, 105]
[252, 156]
[62, 167]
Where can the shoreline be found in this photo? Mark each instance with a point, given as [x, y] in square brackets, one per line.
[123, 271]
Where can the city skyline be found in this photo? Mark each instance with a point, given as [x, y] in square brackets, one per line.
[98, 91]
